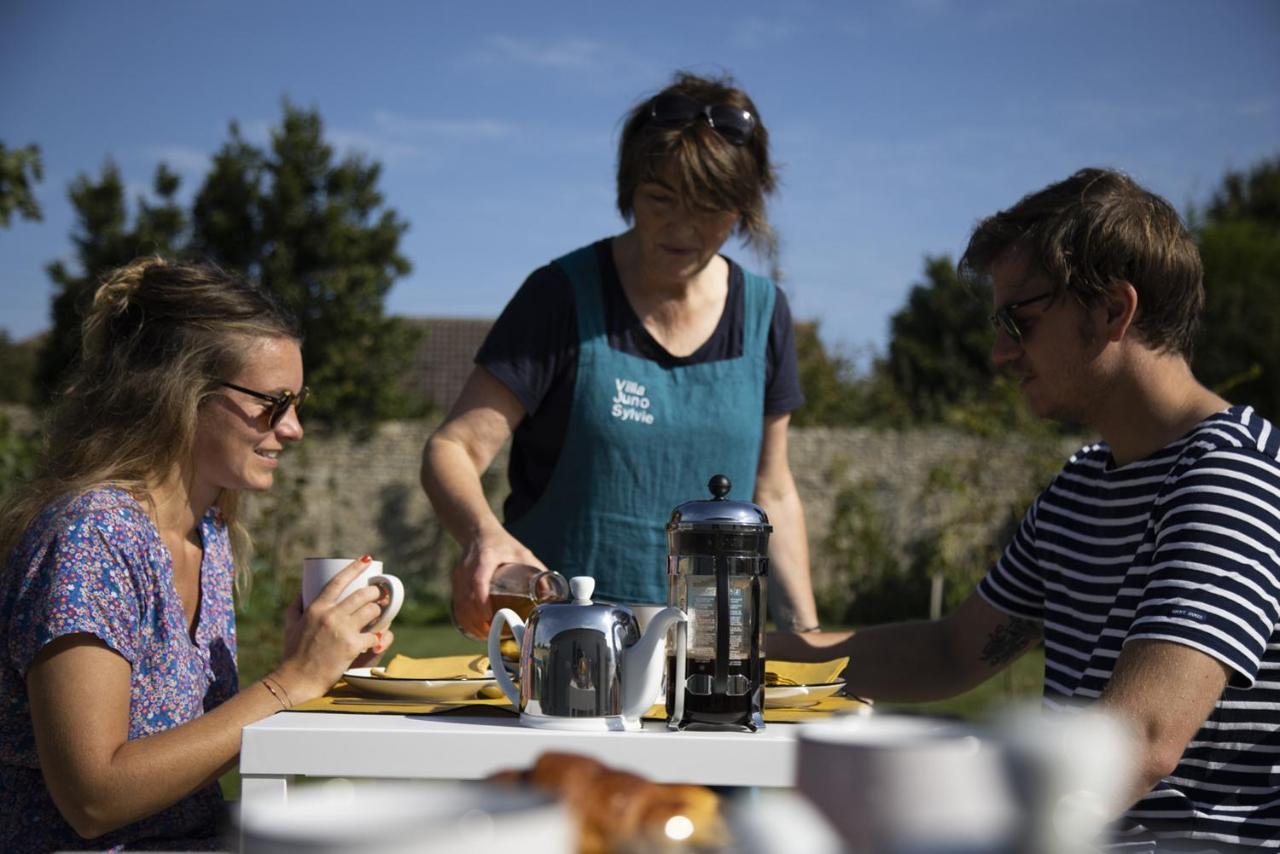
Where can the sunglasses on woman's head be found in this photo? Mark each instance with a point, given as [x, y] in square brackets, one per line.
[734, 124]
[280, 403]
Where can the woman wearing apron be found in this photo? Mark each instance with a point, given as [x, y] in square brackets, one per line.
[632, 370]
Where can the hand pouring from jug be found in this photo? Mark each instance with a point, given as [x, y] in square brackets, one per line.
[594, 670]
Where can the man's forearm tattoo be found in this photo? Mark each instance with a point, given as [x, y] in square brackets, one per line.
[1008, 640]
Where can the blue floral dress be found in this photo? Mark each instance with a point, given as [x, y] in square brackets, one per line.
[96, 564]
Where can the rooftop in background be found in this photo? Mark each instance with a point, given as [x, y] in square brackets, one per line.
[443, 361]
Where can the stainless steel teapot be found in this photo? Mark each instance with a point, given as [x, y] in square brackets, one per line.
[583, 665]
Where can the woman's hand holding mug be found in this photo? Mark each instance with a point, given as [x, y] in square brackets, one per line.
[338, 622]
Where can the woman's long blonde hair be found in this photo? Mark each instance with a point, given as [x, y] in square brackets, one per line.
[155, 344]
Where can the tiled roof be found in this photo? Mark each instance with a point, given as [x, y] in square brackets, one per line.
[444, 357]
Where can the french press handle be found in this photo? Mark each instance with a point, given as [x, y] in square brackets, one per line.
[720, 486]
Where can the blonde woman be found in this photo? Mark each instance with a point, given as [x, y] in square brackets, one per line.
[119, 700]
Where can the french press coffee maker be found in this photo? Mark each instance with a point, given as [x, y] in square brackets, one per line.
[717, 560]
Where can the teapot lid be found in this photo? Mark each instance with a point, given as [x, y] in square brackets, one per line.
[719, 511]
[580, 611]
[582, 587]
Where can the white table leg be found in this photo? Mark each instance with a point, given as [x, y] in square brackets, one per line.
[264, 789]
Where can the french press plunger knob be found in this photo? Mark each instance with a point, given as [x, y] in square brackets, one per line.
[719, 486]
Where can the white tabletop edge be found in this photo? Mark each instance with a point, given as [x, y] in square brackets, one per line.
[438, 746]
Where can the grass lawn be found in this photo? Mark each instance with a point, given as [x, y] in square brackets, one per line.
[260, 652]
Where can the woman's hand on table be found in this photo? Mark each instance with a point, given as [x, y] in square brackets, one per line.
[470, 579]
[327, 638]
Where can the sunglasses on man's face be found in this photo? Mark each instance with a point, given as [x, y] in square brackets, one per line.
[280, 403]
[734, 124]
[1003, 318]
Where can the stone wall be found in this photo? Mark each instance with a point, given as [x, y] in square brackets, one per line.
[339, 495]
[342, 495]
[18, 418]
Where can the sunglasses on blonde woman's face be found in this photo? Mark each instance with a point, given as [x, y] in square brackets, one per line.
[280, 403]
[734, 124]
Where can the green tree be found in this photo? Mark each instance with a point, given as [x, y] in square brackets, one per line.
[836, 394]
[17, 367]
[316, 232]
[1252, 195]
[19, 449]
[20, 168]
[828, 379]
[312, 229]
[104, 238]
[1240, 246]
[940, 343]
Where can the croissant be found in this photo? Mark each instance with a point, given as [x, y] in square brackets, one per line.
[618, 811]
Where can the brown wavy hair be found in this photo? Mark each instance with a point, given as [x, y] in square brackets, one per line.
[1095, 229]
[155, 344]
[709, 171]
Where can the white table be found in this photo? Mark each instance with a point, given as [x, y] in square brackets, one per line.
[324, 744]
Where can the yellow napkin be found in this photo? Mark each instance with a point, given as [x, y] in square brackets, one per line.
[447, 667]
[823, 709]
[803, 672]
[344, 698]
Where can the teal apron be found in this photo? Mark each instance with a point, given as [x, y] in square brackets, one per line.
[642, 439]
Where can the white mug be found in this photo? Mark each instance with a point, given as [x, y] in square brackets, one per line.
[317, 571]
[895, 783]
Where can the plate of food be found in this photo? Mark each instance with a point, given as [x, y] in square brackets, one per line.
[375, 682]
[799, 696]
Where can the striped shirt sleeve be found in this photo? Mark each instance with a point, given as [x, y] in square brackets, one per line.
[1014, 584]
[1214, 581]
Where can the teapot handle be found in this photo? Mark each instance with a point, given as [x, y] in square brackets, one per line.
[504, 616]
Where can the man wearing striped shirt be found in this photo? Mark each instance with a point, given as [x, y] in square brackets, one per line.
[1150, 566]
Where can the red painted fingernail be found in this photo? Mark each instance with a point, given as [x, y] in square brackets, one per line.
[378, 648]
[366, 559]
[378, 635]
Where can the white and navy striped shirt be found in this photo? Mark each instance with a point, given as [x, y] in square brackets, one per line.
[1182, 546]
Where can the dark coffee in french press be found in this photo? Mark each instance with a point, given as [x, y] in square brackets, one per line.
[717, 565]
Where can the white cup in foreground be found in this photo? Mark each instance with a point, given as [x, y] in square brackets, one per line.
[892, 783]
[317, 572]
[1071, 770]
[341, 817]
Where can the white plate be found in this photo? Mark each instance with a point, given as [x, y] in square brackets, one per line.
[432, 690]
[799, 696]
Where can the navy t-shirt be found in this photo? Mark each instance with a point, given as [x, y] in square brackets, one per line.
[532, 349]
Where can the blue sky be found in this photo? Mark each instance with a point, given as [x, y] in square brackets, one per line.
[897, 125]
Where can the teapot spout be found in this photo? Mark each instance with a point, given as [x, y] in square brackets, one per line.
[643, 663]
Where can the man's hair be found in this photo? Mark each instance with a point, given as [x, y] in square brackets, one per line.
[1093, 230]
[707, 171]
